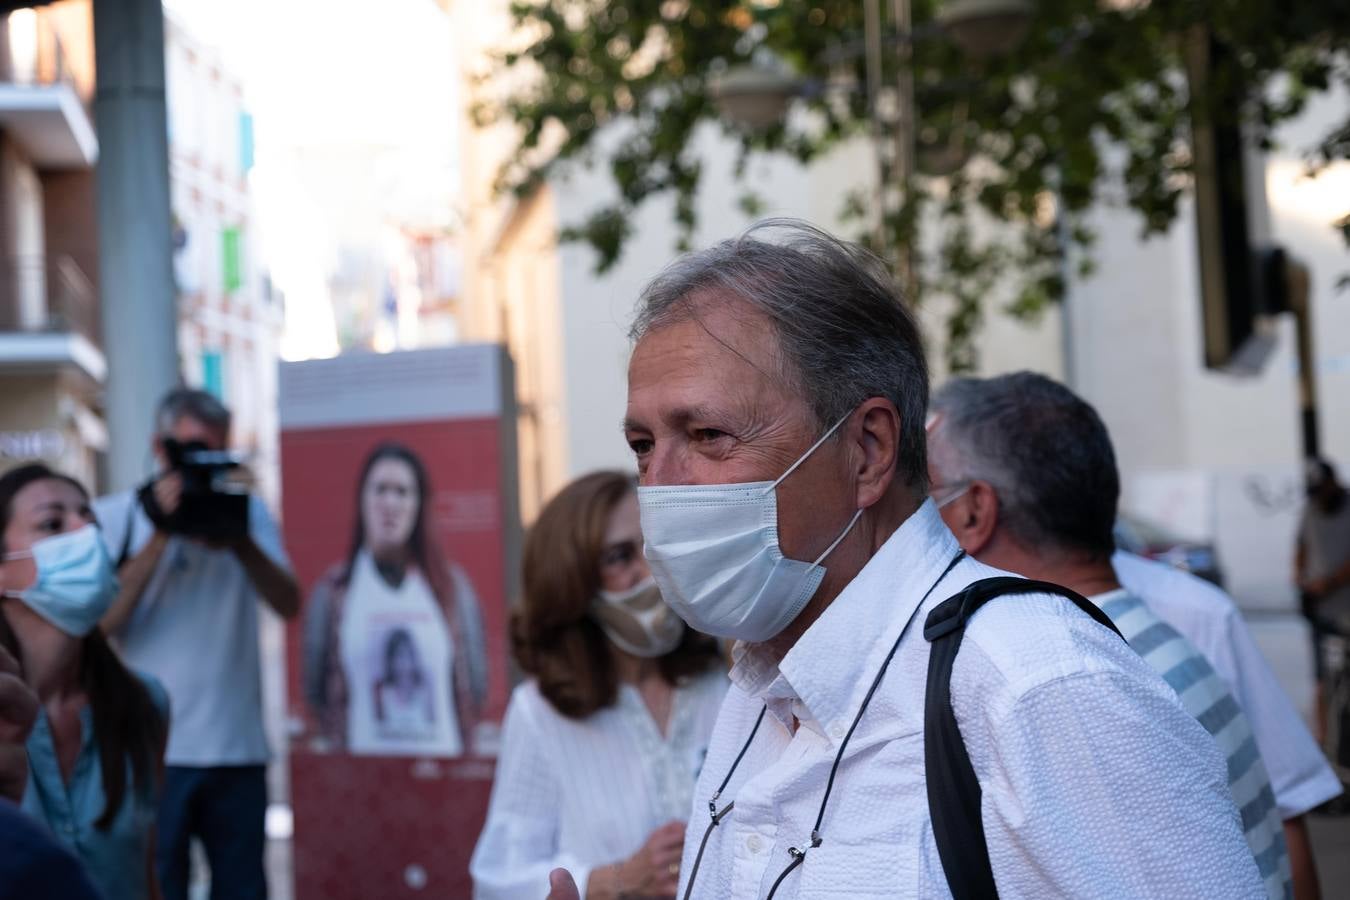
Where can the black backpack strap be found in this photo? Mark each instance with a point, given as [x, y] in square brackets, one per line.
[135, 501]
[953, 790]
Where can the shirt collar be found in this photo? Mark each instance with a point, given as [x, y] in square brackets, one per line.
[833, 663]
[1101, 599]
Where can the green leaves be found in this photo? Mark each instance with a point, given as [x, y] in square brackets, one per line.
[1091, 106]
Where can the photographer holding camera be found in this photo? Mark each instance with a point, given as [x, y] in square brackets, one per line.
[196, 552]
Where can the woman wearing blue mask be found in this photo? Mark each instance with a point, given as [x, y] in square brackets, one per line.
[603, 743]
[95, 753]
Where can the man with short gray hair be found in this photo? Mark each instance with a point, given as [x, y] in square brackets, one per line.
[192, 577]
[776, 401]
[1025, 475]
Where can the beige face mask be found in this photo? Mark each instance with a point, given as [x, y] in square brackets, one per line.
[638, 621]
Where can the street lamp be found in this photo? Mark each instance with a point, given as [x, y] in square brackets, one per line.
[985, 28]
[755, 96]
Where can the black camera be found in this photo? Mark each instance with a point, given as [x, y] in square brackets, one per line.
[214, 505]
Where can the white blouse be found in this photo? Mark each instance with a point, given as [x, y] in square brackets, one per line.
[582, 794]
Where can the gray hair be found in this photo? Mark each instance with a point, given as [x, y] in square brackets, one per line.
[190, 403]
[1044, 450]
[843, 331]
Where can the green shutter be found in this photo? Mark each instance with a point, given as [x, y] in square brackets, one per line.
[232, 268]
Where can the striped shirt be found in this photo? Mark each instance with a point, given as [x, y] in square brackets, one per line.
[1205, 696]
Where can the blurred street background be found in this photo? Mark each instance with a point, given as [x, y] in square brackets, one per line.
[348, 177]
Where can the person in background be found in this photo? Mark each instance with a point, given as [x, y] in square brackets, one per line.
[1026, 478]
[18, 713]
[96, 749]
[602, 744]
[1322, 559]
[394, 581]
[32, 864]
[187, 613]
[1204, 613]
[777, 393]
[1322, 555]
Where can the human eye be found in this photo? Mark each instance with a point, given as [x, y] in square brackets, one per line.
[640, 445]
[620, 554]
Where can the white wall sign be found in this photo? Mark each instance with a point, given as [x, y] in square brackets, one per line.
[47, 443]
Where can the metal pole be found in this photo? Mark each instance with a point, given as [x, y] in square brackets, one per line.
[1300, 303]
[136, 286]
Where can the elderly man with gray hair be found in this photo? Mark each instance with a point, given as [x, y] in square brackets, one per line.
[1025, 475]
[776, 402]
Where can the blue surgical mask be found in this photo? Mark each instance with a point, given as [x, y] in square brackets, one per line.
[75, 582]
[713, 550]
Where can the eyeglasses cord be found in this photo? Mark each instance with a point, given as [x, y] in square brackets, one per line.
[799, 855]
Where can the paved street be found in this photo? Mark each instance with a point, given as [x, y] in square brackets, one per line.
[1331, 845]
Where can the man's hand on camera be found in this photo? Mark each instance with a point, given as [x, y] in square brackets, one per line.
[236, 545]
[169, 493]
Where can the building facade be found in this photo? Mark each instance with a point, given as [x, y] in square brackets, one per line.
[230, 318]
[52, 366]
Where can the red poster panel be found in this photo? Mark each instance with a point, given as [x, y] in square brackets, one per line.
[399, 501]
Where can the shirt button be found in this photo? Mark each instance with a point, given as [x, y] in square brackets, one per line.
[837, 731]
[754, 844]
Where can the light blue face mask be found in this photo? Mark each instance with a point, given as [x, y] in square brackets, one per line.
[713, 550]
[75, 582]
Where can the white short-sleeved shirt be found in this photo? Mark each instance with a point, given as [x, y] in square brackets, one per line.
[1095, 781]
[379, 722]
[1211, 621]
[580, 794]
[196, 630]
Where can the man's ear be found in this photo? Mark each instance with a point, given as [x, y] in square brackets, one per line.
[874, 431]
[973, 517]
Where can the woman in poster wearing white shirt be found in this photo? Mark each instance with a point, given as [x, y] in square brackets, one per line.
[391, 620]
[602, 744]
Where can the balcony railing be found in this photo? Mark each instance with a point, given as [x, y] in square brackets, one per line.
[48, 294]
[31, 51]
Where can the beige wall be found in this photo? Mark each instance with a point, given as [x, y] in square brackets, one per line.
[520, 288]
[72, 22]
[36, 404]
[511, 278]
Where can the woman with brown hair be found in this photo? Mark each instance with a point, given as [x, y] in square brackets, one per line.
[95, 754]
[603, 742]
[394, 658]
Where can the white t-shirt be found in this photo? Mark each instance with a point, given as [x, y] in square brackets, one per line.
[386, 629]
[1209, 619]
[196, 630]
[580, 794]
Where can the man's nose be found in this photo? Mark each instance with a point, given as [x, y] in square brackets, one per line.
[667, 464]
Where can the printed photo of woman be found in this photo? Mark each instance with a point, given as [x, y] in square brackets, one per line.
[404, 704]
[394, 656]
